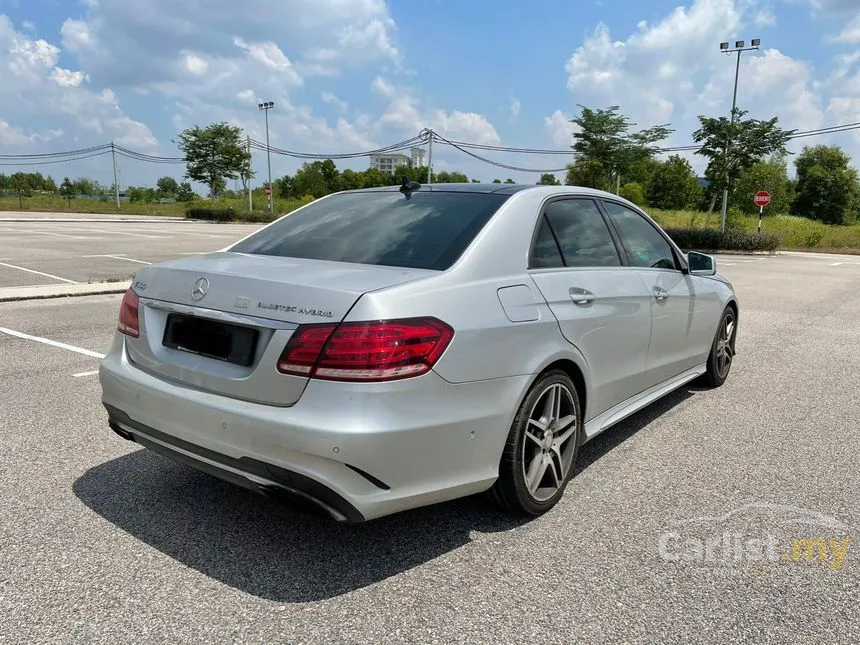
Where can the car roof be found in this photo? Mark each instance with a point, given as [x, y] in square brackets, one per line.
[499, 189]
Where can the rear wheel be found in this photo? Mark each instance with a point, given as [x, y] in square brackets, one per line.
[541, 449]
[722, 351]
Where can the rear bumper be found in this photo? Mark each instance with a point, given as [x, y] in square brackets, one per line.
[353, 451]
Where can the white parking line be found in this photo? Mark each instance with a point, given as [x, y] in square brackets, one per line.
[47, 275]
[52, 343]
[116, 257]
[79, 375]
[70, 237]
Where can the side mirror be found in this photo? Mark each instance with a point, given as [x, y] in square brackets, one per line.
[701, 264]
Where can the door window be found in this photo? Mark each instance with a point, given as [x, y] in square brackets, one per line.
[582, 233]
[545, 254]
[645, 246]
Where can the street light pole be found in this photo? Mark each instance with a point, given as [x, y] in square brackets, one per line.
[738, 48]
[266, 106]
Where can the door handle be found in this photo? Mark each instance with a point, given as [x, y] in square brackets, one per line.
[660, 294]
[581, 296]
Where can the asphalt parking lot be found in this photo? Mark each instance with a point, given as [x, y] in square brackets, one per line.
[101, 541]
[47, 251]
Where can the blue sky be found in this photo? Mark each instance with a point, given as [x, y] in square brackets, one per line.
[351, 75]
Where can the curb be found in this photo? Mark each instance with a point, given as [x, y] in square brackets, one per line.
[17, 294]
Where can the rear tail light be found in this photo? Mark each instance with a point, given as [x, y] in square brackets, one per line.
[366, 351]
[129, 323]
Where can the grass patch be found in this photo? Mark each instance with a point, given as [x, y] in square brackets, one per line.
[795, 233]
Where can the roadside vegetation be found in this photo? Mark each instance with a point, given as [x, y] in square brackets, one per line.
[816, 209]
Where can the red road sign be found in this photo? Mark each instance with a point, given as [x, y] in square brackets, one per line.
[268, 192]
[762, 198]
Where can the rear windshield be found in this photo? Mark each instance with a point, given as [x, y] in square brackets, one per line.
[428, 231]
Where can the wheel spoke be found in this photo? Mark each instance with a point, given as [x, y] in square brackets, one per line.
[549, 405]
[537, 440]
[556, 470]
[540, 424]
[568, 426]
[537, 470]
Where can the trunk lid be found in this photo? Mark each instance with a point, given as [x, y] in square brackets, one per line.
[219, 322]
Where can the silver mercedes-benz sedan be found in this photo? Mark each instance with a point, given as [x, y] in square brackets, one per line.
[383, 349]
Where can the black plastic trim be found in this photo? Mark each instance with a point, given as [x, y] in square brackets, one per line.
[292, 486]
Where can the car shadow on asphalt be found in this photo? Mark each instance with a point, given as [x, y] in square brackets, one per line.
[274, 552]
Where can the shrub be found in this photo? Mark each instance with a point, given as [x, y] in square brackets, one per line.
[256, 217]
[707, 239]
[735, 217]
[212, 214]
[633, 192]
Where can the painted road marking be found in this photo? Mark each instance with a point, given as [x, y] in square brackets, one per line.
[47, 275]
[52, 343]
[81, 374]
[70, 237]
[116, 257]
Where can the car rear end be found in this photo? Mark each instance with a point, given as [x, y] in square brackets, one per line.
[247, 364]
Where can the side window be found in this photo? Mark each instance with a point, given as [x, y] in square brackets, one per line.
[582, 233]
[645, 246]
[545, 254]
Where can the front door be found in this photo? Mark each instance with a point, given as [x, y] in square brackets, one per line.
[602, 306]
[675, 333]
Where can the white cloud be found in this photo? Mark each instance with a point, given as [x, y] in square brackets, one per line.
[54, 101]
[267, 53]
[850, 35]
[382, 87]
[328, 97]
[669, 71]
[515, 107]
[559, 127]
[67, 78]
[193, 63]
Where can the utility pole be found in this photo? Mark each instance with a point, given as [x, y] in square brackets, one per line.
[250, 198]
[738, 48]
[430, 160]
[266, 106]
[115, 180]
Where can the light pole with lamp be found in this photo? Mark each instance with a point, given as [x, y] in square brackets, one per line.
[738, 48]
[265, 107]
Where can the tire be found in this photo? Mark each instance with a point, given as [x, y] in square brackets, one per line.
[722, 350]
[548, 448]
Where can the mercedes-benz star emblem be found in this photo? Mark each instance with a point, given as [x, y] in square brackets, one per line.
[201, 288]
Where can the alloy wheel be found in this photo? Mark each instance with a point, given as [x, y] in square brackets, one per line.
[549, 444]
[725, 350]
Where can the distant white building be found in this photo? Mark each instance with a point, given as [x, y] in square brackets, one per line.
[390, 162]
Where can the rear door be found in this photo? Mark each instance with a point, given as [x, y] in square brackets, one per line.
[679, 316]
[602, 306]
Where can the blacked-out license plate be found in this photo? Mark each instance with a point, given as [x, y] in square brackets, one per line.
[211, 338]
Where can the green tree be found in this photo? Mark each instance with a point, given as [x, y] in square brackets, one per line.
[633, 192]
[590, 173]
[310, 180]
[185, 193]
[770, 175]
[49, 186]
[604, 136]
[351, 180]
[135, 195]
[330, 175]
[21, 185]
[673, 185]
[548, 179]
[509, 181]
[67, 190]
[85, 186]
[827, 186]
[497, 181]
[213, 155]
[284, 187]
[732, 148]
[167, 186]
[373, 178]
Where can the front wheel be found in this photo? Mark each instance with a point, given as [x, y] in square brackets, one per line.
[722, 350]
[541, 449]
